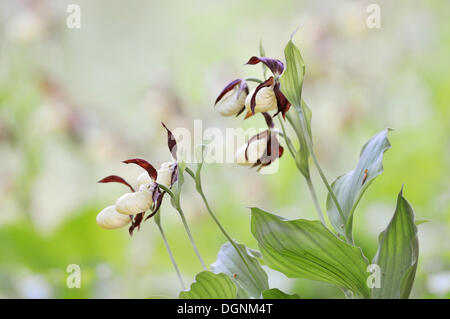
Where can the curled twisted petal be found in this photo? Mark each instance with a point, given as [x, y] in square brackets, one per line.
[116, 179]
[283, 104]
[136, 223]
[171, 142]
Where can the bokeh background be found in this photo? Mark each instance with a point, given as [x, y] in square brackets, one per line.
[74, 103]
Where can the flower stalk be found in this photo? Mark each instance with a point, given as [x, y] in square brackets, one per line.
[169, 251]
[185, 224]
[198, 184]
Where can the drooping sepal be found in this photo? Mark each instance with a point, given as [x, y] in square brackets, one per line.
[116, 179]
[145, 165]
[274, 65]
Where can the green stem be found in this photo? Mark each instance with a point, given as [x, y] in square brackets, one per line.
[315, 200]
[252, 79]
[199, 188]
[319, 169]
[166, 243]
[308, 178]
[188, 231]
[185, 224]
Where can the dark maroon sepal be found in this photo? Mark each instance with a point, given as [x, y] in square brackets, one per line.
[171, 142]
[145, 165]
[276, 66]
[283, 104]
[116, 179]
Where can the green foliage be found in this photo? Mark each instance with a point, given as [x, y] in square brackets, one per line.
[252, 281]
[209, 285]
[276, 293]
[306, 249]
[350, 187]
[397, 254]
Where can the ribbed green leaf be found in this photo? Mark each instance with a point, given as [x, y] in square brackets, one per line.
[209, 285]
[350, 187]
[275, 293]
[397, 253]
[229, 262]
[292, 78]
[306, 249]
[291, 86]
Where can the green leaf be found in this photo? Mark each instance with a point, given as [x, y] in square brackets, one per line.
[397, 254]
[209, 285]
[229, 262]
[350, 187]
[306, 249]
[291, 86]
[292, 78]
[276, 293]
[421, 221]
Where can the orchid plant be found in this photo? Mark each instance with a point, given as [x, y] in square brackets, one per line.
[312, 249]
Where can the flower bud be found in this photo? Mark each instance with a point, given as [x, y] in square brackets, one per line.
[232, 102]
[265, 100]
[165, 173]
[109, 218]
[135, 203]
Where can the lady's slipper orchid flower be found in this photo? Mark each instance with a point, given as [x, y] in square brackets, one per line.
[267, 95]
[264, 100]
[132, 205]
[109, 218]
[262, 149]
[231, 101]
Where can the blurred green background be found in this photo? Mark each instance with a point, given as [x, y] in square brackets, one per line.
[74, 103]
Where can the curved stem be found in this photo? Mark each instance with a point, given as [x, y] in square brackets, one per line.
[166, 243]
[177, 206]
[308, 178]
[319, 169]
[252, 79]
[199, 188]
[188, 231]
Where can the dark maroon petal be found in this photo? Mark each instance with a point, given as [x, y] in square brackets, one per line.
[268, 82]
[115, 179]
[171, 142]
[268, 119]
[276, 66]
[136, 223]
[273, 151]
[228, 88]
[240, 112]
[145, 165]
[283, 104]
